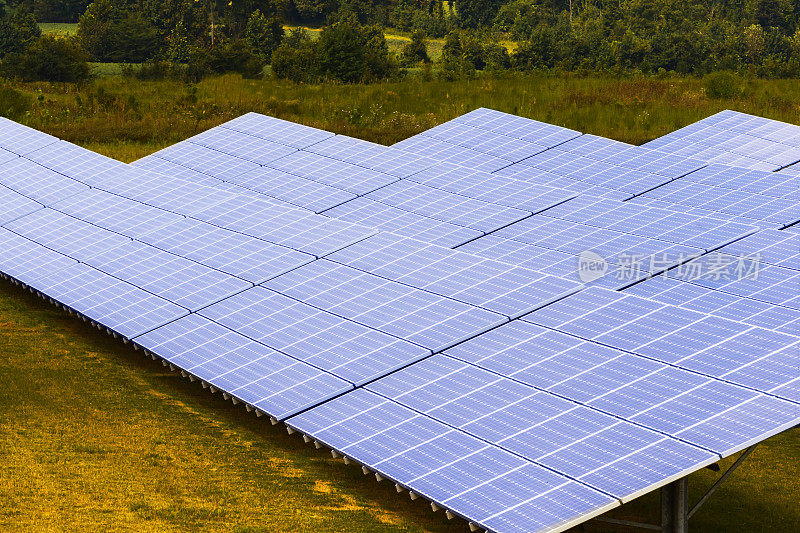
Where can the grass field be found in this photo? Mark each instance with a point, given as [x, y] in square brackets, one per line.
[128, 119]
[94, 436]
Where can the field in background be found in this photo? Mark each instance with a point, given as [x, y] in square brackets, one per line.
[95, 436]
[128, 119]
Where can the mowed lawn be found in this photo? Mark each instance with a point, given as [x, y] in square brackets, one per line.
[95, 436]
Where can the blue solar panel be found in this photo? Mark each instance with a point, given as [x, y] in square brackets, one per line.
[26, 261]
[116, 213]
[208, 161]
[78, 163]
[447, 207]
[492, 285]
[373, 214]
[491, 187]
[241, 145]
[777, 184]
[37, 182]
[179, 280]
[736, 139]
[67, 235]
[345, 348]
[421, 317]
[14, 205]
[264, 378]
[124, 308]
[493, 487]
[240, 255]
[336, 173]
[380, 158]
[277, 130]
[20, 139]
[443, 151]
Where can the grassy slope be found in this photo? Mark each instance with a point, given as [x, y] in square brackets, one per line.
[93, 434]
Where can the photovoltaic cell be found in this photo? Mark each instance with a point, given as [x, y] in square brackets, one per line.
[179, 280]
[20, 139]
[373, 214]
[277, 130]
[67, 235]
[26, 261]
[245, 257]
[417, 316]
[122, 307]
[241, 145]
[737, 139]
[78, 163]
[208, 161]
[380, 158]
[264, 378]
[347, 349]
[37, 182]
[14, 205]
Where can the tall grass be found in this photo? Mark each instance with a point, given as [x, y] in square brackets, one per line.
[133, 118]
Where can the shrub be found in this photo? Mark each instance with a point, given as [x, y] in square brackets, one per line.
[264, 34]
[231, 56]
[416, 50]
[296, 58]
[18, 31]
[13, 104]
[49, 59]
[109, 32]
[722, 84]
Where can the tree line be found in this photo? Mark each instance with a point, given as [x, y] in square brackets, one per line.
[194, 38]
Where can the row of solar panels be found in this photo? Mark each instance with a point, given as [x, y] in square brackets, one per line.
[497, 479]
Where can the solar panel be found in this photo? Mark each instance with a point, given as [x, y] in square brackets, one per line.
[352, 351]
[67, 235]
[777, 184]
[492, 188]
[117, 305]
[245, 257]
[14, 205]
[264, 378]
[706, 198]
[373, 156]
[20, 139]
[212, 162]
[340, 174]
[492, 487]
[153, 163]
[737, 139]
[78, 163]
[179, 280]
[118, 214]
[242, 145]
[26, 261]
[37, 182]
[277, 130]
[447, 207]
[373, 214]
[421, 317]
[499, 287]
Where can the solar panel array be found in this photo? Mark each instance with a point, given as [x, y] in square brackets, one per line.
[419, 312]
[737, 139]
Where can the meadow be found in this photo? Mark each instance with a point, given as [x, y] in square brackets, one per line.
[95, 436]
[127, 119]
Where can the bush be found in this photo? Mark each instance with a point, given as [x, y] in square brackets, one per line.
[722, 85]
[264, 34]
[18, 31]
[111, 33]
[352, 53]
[416, 51]
[49, 59]
[232, 56]
[296, 58]
[13, 104]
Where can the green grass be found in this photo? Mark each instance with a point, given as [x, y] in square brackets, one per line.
[93, 435]
[134, 118]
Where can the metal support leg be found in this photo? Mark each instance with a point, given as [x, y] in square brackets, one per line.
[675, 507]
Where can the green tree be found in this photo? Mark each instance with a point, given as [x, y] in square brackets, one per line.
[48, 59]
[474, 13]
[295, 58]
[114, 32]
[18, 31]
[264, 34]
[416, 51]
